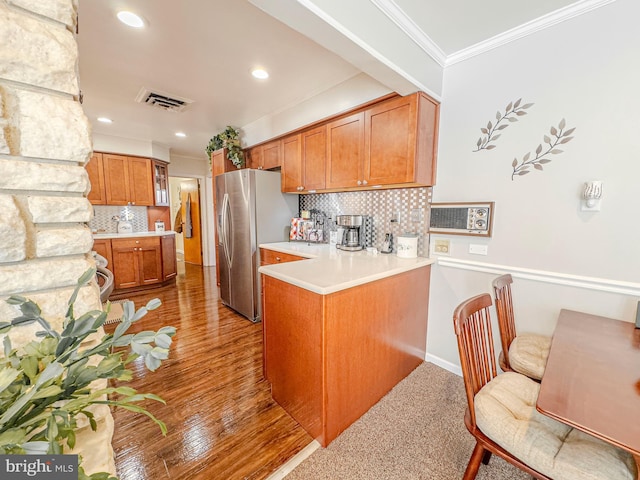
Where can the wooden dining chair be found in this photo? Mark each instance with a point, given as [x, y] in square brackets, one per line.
[502, 416]
[526, 353]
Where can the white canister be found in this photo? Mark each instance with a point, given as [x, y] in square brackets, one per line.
[408, 245]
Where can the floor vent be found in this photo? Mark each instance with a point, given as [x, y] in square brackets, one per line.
[162, 100]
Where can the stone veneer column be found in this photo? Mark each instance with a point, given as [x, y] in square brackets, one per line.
[45, 140]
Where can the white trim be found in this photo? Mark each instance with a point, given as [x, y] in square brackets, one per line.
[313, 8]
[451, 367]
[296, 460]
[546, 21]
[579, 281]
[413, 31]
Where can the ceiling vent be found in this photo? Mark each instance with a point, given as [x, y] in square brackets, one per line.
[165, 101]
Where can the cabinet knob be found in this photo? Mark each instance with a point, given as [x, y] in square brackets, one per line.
[278, 259]
[359, 182]
[364, 182]
[137, 241]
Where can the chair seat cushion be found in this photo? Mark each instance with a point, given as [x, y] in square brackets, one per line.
[506, 412]
[528, 354]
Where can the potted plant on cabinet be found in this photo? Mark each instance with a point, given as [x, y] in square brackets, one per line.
[229, 138]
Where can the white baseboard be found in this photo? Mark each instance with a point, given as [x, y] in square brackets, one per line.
[300, 457]
[451, 367]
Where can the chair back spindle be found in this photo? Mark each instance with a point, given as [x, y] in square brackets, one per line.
[504, 309]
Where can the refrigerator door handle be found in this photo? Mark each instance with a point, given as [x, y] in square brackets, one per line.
[226, 229]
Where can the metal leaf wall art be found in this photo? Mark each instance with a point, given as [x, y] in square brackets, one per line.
[511, 114]
[559, 136]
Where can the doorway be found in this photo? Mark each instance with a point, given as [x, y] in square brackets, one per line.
[187, 220]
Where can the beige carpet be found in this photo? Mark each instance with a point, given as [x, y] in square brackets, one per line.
[115, 314]
[416, 432]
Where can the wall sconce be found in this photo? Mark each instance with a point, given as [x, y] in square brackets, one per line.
[591, 196]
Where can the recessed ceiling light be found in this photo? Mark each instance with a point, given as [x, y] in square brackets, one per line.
[260, 73]
[181, 134]
[130, 19]
[105, 120]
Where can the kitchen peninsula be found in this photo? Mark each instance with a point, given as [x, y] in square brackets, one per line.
[340, 330]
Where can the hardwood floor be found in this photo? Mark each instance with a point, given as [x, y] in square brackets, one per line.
[221, 419]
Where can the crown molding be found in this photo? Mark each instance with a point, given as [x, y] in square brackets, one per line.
[546, 21]
[408, 26]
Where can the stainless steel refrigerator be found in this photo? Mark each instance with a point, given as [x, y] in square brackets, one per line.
[250, 210]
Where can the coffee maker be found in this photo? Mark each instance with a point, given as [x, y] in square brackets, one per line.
[351, 232]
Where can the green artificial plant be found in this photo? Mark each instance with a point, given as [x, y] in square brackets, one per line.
[229, 138]
[45, 385]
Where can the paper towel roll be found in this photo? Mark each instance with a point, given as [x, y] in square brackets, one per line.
[408, 245]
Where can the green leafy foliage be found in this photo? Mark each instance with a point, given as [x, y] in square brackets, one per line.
[229, 138]
[45, 385]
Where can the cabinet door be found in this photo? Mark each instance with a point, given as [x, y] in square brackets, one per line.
[116, 179]
[95, 170]
[314, 158]
[161, 184]
[103, 247]
[255, 157]
[390, 142]
[140, 181]
[271, 155]
[291, 164]
[125, 264]
[169, 264]
[345, 149]
[150, 263]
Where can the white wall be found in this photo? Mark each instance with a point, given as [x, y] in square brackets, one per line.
[130, 146]
[585, 70]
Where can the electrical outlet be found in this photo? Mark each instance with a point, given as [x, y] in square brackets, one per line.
[395, 217]
[416, 215]
[478, 249]
[442, 246]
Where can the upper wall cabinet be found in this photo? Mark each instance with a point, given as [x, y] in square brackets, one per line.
[95, 170]
[265, 156]
[391, 143]
[120, 180]
[161, 183]
[304, 158]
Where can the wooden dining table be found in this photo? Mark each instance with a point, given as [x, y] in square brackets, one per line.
[592, 378]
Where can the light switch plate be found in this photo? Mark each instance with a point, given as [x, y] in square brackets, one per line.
[478, 249]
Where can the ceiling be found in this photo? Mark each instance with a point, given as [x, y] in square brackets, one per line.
[204, 50]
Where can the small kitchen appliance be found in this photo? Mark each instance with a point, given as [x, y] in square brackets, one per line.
[353, 235]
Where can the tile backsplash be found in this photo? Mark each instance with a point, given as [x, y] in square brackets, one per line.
[103, 221]
[410, 205]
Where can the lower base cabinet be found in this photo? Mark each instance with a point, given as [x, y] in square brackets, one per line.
[329, 358]
[139, 262]
[136, 261]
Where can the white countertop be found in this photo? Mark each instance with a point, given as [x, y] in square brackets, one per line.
[98, 236]
[330, 270]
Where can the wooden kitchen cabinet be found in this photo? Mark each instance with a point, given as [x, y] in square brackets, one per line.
[128, 180]
[169, 262]
[270, 257]
[304, 158]
[161, 183]
[95, 170]
[400, 137]
[137, 261]
[102, 247]
[329, 358]
[265, 156]
[345, 152]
